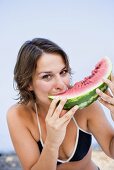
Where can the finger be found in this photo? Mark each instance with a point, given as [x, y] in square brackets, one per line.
[108, 92]
[110, 84]
[108, 105]
[52, 107]
[112, 78]
[67, 122]
[59, 108]
[69, 114]
[105, 97]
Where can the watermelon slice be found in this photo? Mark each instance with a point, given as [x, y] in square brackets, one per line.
[83, 93]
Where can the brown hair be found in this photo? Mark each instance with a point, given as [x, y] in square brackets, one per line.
[26, 64]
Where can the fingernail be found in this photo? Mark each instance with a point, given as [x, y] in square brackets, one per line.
[97, 90]
[57, 98]
[76, 107]
[99, 98]
[64, 99]
[104, 79]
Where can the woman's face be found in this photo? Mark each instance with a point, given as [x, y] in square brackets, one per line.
[51, 77]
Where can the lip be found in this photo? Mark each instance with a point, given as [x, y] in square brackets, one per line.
[60, 93]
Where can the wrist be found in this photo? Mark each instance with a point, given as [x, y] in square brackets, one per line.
[51, 145]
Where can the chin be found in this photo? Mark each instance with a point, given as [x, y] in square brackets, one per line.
[48, 101]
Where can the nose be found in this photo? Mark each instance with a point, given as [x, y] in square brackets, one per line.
[60, 84]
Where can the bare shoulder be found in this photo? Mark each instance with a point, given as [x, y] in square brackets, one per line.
[92, 111]
[21, 117]
[17, 113]
[22, 131]
[95, 116]
[99, 125]
[92, 117]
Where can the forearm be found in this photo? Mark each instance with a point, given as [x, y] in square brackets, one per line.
[112, 148]
[68, 166]
[48, 158]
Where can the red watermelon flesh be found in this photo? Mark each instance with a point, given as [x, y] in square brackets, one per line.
[83, 92]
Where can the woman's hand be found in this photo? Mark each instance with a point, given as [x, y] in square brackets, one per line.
[56, 122]
[107, 98]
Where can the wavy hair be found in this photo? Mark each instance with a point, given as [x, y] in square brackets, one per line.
[26, 65]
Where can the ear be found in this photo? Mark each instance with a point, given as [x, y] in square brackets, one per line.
[30, 87]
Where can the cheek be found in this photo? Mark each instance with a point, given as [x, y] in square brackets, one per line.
[45, 87]
[67, 81]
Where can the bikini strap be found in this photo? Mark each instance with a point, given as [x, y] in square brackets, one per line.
[79, 127]
[38, 122]
[75, 122]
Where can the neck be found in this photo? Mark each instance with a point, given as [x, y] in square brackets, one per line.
[42, 109]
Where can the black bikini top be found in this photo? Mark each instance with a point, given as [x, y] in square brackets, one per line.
[82, 144]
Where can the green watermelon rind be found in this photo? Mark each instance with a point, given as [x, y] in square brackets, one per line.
[86, 99]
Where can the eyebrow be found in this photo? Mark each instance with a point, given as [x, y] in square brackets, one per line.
[49, 72]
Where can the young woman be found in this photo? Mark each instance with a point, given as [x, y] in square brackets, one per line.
[43, 134]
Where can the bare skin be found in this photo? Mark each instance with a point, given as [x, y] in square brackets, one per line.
[56, 126]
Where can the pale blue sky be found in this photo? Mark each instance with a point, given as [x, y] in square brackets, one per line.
[84, 28]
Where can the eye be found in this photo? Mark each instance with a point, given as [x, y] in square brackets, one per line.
[64, 72]
[47, 77]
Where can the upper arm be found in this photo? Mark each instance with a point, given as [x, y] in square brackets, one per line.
[24, 144]
[100, 126]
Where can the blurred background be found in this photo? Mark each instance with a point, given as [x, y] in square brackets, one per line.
[83, 28]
